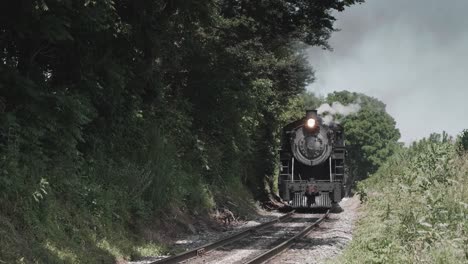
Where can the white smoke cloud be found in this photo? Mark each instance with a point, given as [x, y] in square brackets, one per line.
[409, 54]
[328, 119]
[328, 112]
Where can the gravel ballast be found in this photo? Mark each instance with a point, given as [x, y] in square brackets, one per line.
[321, 244]
[326, 241]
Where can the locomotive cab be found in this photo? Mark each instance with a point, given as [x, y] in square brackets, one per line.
[312, 154]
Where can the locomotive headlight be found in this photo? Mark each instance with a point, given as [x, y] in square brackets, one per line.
[311, 122]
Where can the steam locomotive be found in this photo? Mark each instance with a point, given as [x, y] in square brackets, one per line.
[312, 154]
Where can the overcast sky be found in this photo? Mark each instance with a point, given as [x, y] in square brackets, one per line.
[411, 54]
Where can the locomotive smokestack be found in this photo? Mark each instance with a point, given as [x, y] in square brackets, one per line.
[311, 114]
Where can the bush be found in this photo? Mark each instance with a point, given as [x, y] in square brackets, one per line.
[416, 208]
[88, 212]
[462, 142]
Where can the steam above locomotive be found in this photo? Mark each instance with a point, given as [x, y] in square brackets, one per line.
[312, 154]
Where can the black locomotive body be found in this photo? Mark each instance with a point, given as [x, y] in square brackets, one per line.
[312, 154]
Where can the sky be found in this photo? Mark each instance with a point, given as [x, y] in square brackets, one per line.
[410, 54]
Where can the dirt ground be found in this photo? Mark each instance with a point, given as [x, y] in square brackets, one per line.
[323, 243]
[205, 233]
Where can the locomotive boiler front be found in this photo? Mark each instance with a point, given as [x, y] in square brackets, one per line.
[310, 143]
[312, 154]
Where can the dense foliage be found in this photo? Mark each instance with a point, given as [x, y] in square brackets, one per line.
[416, 207]
[462, 141]
[112, 111]
[371, 133]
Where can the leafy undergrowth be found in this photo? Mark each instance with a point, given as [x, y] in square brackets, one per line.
[108, 209]
[415, 208]
[60, 232]
[56, 230]
[105, 211]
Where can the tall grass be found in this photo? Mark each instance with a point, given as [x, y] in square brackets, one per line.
[415, 208]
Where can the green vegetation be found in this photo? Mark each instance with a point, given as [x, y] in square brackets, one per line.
[112, 112]
[371, 134]
[416, 206]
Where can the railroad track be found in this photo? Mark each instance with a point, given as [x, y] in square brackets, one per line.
[256, 245]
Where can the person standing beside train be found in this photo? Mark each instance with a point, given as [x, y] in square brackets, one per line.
[311, 193]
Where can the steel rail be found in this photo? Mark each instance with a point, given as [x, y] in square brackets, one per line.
[283, 246]
[208, 247]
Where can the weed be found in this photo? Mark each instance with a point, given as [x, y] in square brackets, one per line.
[416, 208]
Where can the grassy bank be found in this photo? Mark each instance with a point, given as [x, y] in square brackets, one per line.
[415, 208]
[113, 226]
[103, 210]
[61, 229]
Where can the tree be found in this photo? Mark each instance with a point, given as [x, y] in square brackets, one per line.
[462, 142]
[167, 95]
[371, 134]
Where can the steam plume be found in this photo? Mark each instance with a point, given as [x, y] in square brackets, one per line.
[328, 112]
